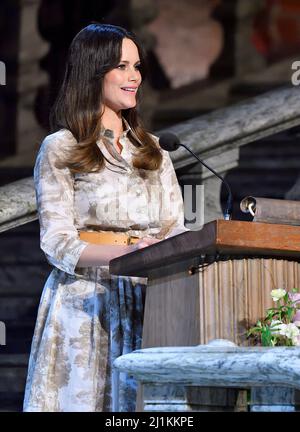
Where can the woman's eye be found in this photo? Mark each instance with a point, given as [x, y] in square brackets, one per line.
[121, 66]
[138, 67]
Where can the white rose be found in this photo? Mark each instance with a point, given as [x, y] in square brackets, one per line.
[278, 294]
[289, 330]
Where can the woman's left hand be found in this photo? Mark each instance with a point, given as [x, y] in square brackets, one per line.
[144, 242]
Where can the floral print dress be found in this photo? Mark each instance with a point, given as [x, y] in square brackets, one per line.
[87, 317]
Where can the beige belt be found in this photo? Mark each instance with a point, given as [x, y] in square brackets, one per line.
[107, 238]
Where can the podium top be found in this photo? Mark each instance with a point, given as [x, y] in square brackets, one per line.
[219, 237]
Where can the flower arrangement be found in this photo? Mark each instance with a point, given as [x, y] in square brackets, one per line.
[281, 326]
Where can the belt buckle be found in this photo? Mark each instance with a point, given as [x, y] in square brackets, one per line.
[130, 238]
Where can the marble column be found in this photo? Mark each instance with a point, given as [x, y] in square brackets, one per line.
[239, 55]
[23, 79]
[8, 95]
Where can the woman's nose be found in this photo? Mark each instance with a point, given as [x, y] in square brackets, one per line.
[135, 75]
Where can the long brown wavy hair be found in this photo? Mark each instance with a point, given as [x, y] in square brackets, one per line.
[94, 51]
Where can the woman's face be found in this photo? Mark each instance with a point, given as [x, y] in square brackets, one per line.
[121, 84]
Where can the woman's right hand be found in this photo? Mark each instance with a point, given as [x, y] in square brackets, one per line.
[97, 255]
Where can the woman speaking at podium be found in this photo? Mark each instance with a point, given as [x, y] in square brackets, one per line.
[104, 188]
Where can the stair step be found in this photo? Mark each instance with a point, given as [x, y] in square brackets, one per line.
[13, 379]
[30, 229]
[275, 162]
[18, 337]
[9, 175]
[27, 245]
[24, 280]
[11, 401]
[20, 308]
[16, 360]
[13, 372]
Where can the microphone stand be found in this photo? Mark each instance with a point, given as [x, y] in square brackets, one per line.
[228, 209]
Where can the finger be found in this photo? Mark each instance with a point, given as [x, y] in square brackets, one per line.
[141, 244]
[150, 239]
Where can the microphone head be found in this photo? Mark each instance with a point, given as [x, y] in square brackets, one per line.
[169, 142]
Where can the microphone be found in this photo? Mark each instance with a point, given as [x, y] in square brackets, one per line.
[170, 142]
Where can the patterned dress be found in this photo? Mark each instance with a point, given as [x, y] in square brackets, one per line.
[87, 317]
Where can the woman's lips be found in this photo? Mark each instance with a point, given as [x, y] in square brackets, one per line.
[130, 89]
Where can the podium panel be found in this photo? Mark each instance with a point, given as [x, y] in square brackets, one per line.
[213, 284]
[221, 301]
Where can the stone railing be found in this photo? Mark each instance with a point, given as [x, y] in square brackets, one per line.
[17, 204]
[171, 376]
[216, 136]
[228, 128]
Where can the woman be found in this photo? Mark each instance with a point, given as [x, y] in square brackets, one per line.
[104, 189]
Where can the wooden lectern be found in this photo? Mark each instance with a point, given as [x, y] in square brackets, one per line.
[213, 283]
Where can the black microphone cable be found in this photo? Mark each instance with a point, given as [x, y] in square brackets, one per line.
[170, 142]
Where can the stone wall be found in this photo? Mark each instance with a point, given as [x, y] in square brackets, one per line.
[277, 29]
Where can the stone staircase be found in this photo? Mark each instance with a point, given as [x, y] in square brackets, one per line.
[268, 167]
[23, 271]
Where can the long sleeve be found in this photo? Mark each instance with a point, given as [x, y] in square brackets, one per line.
[172, 211]
[55, 202]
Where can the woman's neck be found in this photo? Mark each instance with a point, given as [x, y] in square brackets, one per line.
[113, 121]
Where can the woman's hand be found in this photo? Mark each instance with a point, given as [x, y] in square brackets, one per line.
[143, 242]
[97, 255]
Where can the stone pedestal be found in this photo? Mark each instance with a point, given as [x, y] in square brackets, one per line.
[266, 399]
[174, 377]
